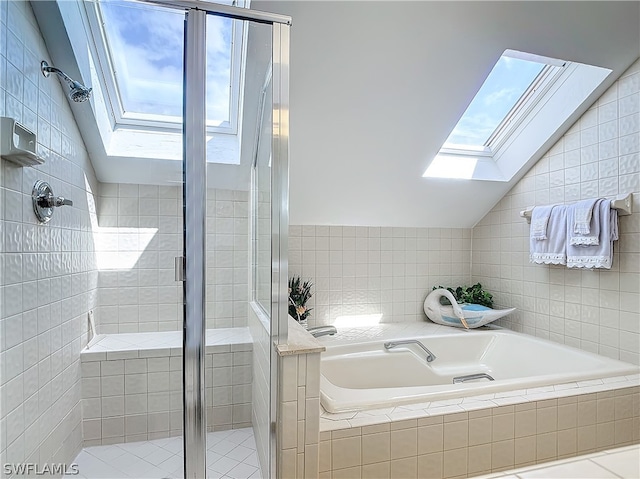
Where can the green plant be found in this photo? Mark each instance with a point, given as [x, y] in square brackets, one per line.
[472, 295]
[299, 294]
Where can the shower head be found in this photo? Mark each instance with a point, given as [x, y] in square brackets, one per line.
[78, 92]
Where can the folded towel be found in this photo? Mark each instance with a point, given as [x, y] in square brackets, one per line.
[553, 249]
[600, 255]
[592, 235]
[613, 218]
[582, 219]
[539, 220]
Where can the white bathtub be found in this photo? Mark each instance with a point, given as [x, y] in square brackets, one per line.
[365, 375]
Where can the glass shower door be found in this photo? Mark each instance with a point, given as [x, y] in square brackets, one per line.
[231, 104]
[149, 218]
[229, 385]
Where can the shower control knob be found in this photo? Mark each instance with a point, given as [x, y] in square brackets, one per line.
[62, 201]
[44, 201]
[51, 201]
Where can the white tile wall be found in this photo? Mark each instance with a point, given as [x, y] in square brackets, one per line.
[372, 270]
[261, 391]
[49, 278]
[137, 399]
[140, 233]
[599, 310]
[227, 258]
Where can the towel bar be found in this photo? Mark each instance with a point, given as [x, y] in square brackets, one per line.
[623, 203]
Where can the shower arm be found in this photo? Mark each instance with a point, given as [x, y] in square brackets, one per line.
[78, 92]
[49, 69]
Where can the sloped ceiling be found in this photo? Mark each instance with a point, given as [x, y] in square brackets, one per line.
[376, 87]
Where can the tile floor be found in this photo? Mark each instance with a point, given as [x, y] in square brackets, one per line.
[616, 463]
[230, 455]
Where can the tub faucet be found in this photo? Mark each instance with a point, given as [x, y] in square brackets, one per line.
[393, 344]
[322, 331]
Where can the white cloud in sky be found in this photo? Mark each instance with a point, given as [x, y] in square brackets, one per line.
[503, 95]
[472, 129]
[147, 46]
[504, 86]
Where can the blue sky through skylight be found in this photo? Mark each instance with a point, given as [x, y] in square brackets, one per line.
[147, 45]
[508, 80]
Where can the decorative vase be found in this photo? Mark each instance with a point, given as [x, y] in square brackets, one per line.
[475, 315]
[304, 323]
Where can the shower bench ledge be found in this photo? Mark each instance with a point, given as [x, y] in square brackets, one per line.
[162, 344]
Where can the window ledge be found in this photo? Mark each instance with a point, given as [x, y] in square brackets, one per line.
[464, 167]
[221, 148]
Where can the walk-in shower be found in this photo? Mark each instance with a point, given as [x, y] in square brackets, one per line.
[181, 366]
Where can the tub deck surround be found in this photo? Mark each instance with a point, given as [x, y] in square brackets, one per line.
[299, 341]
[469, 364]
[483, 441]
[334, 421]
[298, 434]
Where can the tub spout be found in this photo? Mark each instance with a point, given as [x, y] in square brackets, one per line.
[393, 344]
[322, 331]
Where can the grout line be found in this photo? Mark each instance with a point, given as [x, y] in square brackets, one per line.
[605, 467]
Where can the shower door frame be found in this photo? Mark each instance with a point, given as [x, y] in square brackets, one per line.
[194, 216]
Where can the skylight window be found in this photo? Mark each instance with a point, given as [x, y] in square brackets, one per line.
[143, 48]
[508, 81]
[505, 100]
[525, 101]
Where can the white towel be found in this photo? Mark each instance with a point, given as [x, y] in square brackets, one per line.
[592, 236]
[600, 255]
[539, 221]
[553, 249]
[582, 219]
[613, 218]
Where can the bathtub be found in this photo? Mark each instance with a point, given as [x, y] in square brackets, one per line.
[366, 375]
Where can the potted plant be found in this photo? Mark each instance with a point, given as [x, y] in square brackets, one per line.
[299, 294]
[470, 295]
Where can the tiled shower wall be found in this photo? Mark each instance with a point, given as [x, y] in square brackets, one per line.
[138, 237]
[261, 386]
[597, 310]
[49, 278]
[139, 397]
[373, 270]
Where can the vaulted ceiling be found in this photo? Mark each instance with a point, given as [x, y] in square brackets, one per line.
[376, 88]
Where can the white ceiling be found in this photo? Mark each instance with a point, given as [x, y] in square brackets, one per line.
[376, 87]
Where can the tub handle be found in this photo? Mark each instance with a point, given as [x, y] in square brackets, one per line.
[471, 377]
